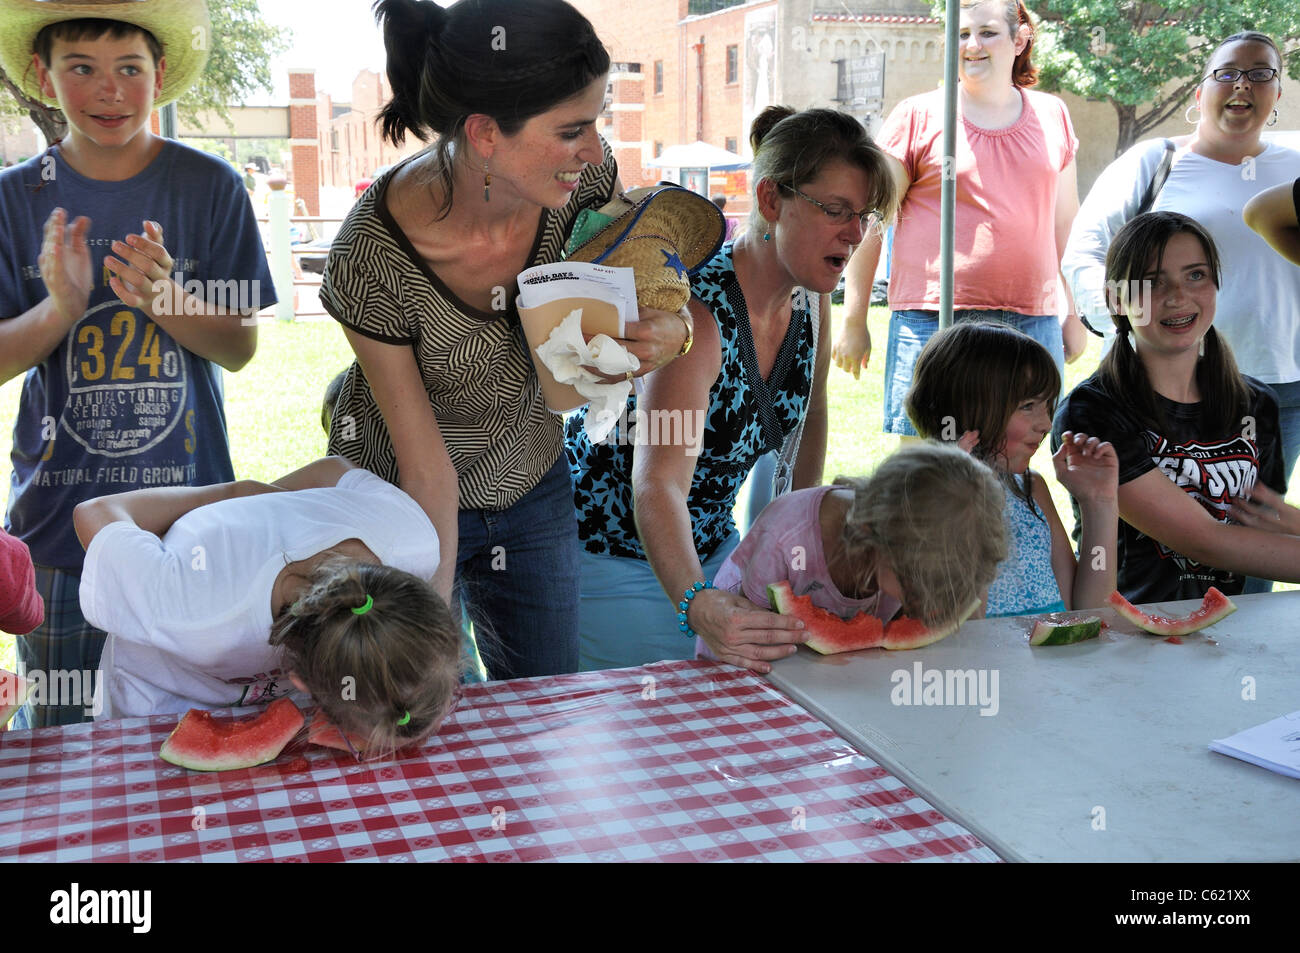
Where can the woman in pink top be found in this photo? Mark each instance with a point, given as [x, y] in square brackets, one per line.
[1017, 195]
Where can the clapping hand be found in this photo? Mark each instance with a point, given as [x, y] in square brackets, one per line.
[65, 265]
[142, 271]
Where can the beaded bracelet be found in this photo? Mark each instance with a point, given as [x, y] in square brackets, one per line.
[687, 596]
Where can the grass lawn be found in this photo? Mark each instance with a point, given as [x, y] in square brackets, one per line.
[273, 408]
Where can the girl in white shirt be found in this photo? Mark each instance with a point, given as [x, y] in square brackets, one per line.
[234, 594]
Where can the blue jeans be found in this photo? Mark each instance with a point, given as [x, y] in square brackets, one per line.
[910, 330]
[517, 569]
[627, 619]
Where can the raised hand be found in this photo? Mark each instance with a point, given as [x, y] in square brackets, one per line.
[142, 272]
[65, 265]
[1088, 468]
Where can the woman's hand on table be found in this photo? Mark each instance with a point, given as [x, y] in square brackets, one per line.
[738, 632]
[1266, 510]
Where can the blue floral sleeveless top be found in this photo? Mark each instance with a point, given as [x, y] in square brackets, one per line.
[1025, 584]
[747, 417]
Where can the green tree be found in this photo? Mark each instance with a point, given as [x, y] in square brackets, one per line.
[242, 45]
[1147, 58]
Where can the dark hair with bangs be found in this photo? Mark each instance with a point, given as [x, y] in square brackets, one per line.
[1135, 252]
[508, 59]
[791, 148]
[973, 376]
[91, 28]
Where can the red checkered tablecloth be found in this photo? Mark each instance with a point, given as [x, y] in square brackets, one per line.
[678, 761]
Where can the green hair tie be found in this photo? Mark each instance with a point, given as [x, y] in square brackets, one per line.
[404, 720]
[362, 610]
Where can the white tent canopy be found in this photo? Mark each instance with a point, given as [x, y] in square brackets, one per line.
[698, 155]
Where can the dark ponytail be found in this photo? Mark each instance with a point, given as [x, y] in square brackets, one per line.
[411, 29]
[507, 59]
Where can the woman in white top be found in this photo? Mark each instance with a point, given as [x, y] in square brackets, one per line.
[1215, 171]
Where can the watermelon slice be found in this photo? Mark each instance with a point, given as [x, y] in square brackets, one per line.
[201, 743]
[1065, 631]
[1214, 607]
[325, 733]
[14, 690]
[831, 634]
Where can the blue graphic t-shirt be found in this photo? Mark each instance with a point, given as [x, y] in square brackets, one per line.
[747, 417]
[119, 405]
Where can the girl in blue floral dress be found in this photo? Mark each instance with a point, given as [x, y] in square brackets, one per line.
[993, 389]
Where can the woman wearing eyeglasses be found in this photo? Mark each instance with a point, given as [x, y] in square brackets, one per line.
[1213, 173]
[1016, 196]
[654, 501]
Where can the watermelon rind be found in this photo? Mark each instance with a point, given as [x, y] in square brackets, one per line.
[917, 636]
[1065, 633]
[202, 743]
[828, 634]
[326, 734]
[1214, 607]
[14, 690]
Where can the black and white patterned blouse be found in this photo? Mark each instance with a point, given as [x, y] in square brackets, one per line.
[747, 417]
[474, 364]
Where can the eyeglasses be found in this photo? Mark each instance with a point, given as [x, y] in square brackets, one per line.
[1230, 74]
[839, 214]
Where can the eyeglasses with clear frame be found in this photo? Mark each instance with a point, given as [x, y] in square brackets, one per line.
[1230, 74]
[839, 214]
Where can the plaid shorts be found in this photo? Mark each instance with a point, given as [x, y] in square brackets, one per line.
[65, 642]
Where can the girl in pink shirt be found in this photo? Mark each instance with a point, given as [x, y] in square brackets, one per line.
[925, 532]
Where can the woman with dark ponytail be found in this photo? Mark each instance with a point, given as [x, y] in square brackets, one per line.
[655, 503]
[443, 397]
[1197, 440]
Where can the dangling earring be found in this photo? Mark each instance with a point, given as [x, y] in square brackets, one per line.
[1200, 347]
[1273, 121]
[767, 234]
[1187, 114]
[487, 182]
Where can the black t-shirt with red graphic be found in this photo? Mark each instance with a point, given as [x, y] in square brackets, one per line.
[1212, 468]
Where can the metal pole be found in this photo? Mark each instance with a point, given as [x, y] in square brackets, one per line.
[167, 121]
[948, 186]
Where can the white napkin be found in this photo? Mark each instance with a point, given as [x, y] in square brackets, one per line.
[565, 351]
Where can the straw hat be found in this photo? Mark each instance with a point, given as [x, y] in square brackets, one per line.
[172, 22]
[665, 233]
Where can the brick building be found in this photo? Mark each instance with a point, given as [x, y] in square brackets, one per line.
[350, 144]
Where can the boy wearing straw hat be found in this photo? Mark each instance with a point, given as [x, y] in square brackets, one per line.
[129, 266]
